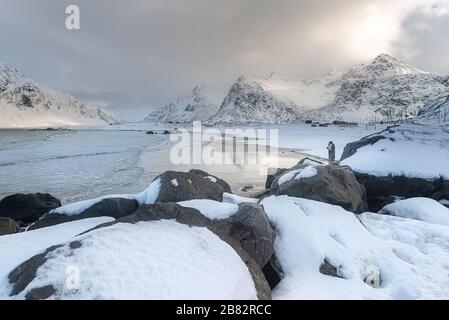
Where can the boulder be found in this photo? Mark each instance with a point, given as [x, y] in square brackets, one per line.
[221, 182]
[273, 173]
[113, 207]
[26, 272]
[352, 147]
[383, 190]
[330, 184]
[251, 227]
[8, 226]
[27, 208]
[183, 186]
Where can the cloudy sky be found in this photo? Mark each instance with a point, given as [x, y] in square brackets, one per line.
[134, 55]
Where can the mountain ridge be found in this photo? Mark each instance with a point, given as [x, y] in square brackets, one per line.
[26, 103]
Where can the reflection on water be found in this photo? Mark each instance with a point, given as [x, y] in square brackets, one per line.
[75, 165]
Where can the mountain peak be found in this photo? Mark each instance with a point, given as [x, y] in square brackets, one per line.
[386, 65]
[9, 75]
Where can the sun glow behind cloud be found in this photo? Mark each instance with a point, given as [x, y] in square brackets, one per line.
[380, 25]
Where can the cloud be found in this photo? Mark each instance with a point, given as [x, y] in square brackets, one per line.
[142, 53]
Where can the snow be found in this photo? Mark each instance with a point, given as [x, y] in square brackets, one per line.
[236, 199]
[423, 209]
[18, 247]
[411, 255]
[213, 210]
[213, 179]
[148, 196]
[307, 172]
[148, 260]
[384, 89]
[174, 183]
[46, 107]
[399, 156]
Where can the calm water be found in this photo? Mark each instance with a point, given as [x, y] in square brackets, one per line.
[81, 164]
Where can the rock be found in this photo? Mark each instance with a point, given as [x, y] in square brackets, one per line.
[383, 190]
[331, 184]
[273, 272]
[27, 208]
[352, 147]
[329, 270]
[182, 186]
[221, 182]
[8, 226]
[273, 173]
[150, 132]
[251, 227]
[114, 207]
[26, 272]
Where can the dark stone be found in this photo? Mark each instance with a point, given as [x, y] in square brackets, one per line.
[40, 293]
[329, 270]
[352, 147]
[226, 187]
[189, 186]
[273, 173]
[150, 132]
[332, 184]
[25, 273]
[114, 207]
[27, 207]
[273, 272]
[383, 190]
[8, 226]
[251, 227]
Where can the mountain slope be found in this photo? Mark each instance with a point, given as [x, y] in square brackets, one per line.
[25, 103]
[385, 89]
[200, 105]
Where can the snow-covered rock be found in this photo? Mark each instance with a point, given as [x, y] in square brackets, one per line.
[330, 184]
[413, 150]
[385, 89]
[18, 247]
[423, 209]
[25, 103]
[146, 260]
[200, 105]
[376, 257]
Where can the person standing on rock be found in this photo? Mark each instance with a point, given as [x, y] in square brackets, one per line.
[331, 152]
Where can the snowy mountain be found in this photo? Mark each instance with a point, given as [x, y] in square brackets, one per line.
[436, 110]
[200, 105]
[385, 89]
[25, 103]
